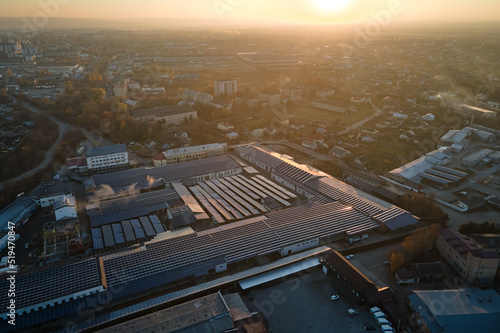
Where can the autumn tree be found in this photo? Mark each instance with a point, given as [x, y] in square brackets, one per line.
[97, 95]
[397, 261]
[421, 241]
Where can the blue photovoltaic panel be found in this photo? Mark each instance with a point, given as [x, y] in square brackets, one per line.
[97, 241]
[138, 230]
[148, 227]
[107, 234]
[128, 231]
[118, 233]
[236, 197]
[159, 228]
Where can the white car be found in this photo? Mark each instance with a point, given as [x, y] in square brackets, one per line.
[26, 245]
[349, 257]
[334, 297]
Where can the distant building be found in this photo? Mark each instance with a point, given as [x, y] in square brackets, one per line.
[232, 136]
[324, 93]
[471, 203]
[462, 253]
[339, 152]
[66, 208]
[107, 158]
[48, 194]
[154, 91]
[77, 164]
[194, 153]
[189, 95]
[404, 276]
[330, 105]
[456, 310]
[293, 93]
[171, 113]
[120, 89]
[159, 160]
[270, 98]
[225, 87]
[225, 126]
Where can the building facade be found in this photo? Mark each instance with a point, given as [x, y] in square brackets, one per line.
[329, 105]
[107, 158]
[463, 254]
[171, 114]
[225, 87]
[180, 155]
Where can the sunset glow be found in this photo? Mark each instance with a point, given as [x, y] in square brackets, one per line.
[331, 5]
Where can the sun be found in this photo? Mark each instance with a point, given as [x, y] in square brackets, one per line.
[330, 5]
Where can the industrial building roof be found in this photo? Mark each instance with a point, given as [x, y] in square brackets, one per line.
[168, 173]
[16, 211]
[458, 310]
[52, 284]
[106, 150]
[131, 206]
[205, 314]
[262, 156]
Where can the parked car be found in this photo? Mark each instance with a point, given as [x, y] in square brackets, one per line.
[387, 262]
[26, 245]
[349, 256]
[334, 297]
[374, 309]
[352, 312]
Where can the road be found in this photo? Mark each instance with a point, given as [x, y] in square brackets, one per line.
[360, 123]
[64, 127]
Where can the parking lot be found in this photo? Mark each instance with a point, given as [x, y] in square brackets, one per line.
[301, 303]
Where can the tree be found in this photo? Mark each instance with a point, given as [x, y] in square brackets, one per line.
[9, 73]
[421, 241]
[477, 228]
[397, 261]
[97, 95]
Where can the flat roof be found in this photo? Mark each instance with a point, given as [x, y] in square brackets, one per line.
[51, 284]
[194, 149]
[106, 150]
[278, 273]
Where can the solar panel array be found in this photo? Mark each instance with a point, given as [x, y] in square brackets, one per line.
[107, 234]
[138, 229]
[294, 172]
[132, 206]
[257, 154]
[126, 231]
[168, 173]
[148, 227]
[52, 284]
[118, 233]
[346, 198]
[237, 198]
[193, 254]
[97, 241]
[396, 218]
[159, 228]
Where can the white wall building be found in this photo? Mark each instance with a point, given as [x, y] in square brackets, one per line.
[225, 87]
[107, 157]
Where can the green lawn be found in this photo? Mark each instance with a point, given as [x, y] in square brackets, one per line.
[339, 119]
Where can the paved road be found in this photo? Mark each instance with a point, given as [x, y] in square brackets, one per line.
[64, 127]
[360, 123]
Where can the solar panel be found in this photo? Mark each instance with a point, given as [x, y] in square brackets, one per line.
[276, 186]
[52, 284]
[266, 191]
[128, 231]
[233, 187]
[213, 204]
[249, 186]
[118, 233]
[228, 198]
[108, 236]
[270, 188]
[443, 175]
[148, 227]
[234, 214]
[451, 171]
[138, 230]
[159, 228]
[233, 195]
[97, 241]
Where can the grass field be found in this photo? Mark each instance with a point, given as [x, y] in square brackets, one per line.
[331, 117]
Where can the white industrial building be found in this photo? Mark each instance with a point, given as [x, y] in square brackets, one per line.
[65, 208]
[107, 157]
[413, 169]
[180, 155]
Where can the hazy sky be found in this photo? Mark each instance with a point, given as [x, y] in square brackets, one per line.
[290, 11]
